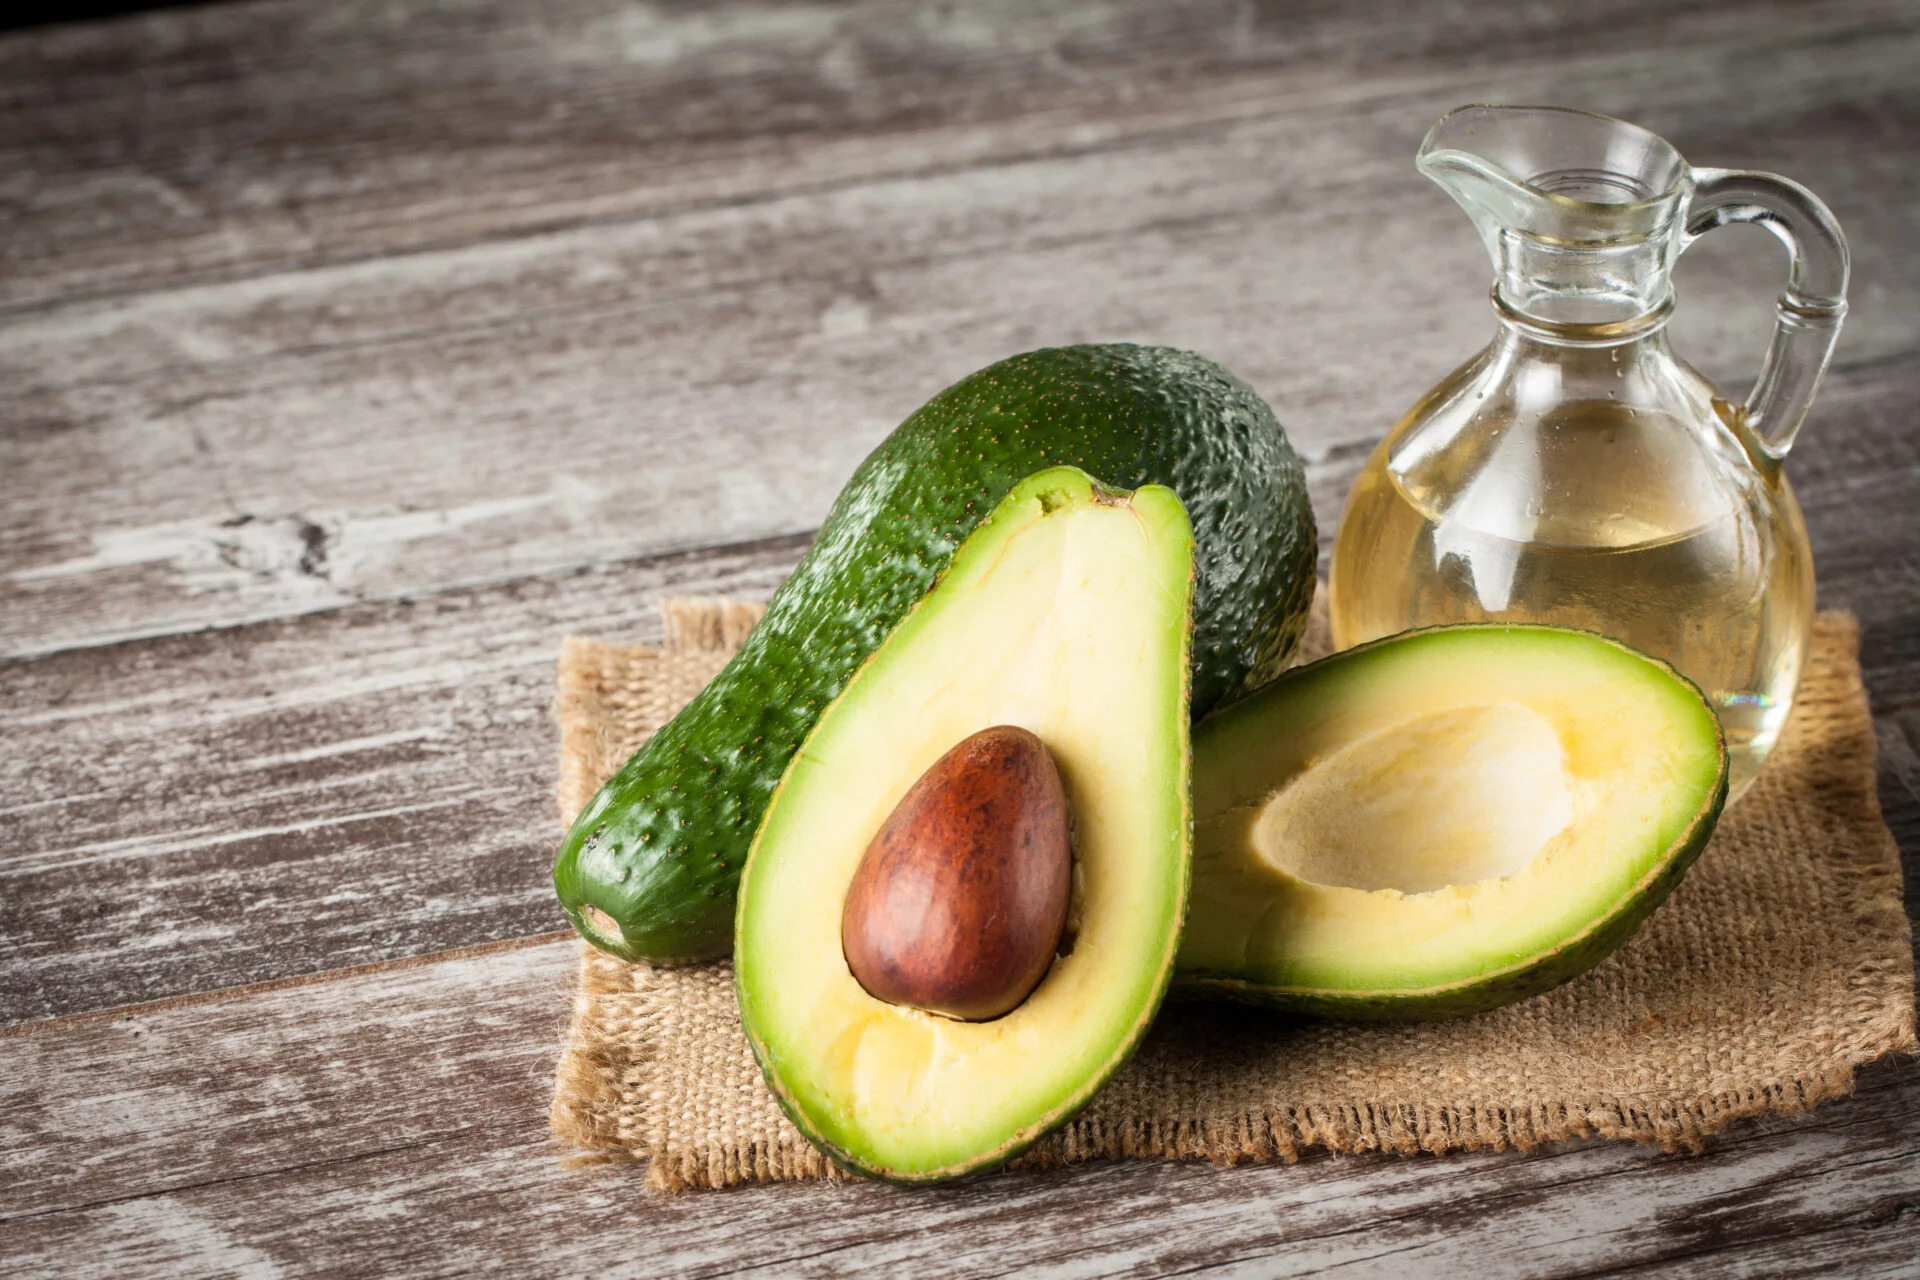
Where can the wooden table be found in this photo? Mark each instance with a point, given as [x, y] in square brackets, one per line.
[352, 354]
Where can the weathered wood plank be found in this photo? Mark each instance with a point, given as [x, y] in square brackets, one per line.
[1351, 158]
[1899, 760]
[299, 796]
[247, 804]
[184, 145]
[158, 1098]
[366, 431]
[1856, 475]
[316, 1129]
[1875, 1244]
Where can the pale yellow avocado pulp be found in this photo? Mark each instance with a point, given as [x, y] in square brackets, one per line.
[1443, 821]
[1064, 614]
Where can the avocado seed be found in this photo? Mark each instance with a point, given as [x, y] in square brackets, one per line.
[961, 899]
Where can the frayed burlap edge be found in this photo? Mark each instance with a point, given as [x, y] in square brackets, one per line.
[598, 710]
[608, 1067]
[1272, 1137]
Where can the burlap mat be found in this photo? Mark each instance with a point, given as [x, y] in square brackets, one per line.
[1779, 966]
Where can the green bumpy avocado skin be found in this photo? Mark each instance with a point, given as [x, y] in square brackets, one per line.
[659, 850]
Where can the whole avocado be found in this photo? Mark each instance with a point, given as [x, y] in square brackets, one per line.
[649, 868]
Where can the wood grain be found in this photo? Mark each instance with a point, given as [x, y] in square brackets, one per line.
[224, 142]
[234, 806]
[311, 1128]
[215, 455]
[1854, 482]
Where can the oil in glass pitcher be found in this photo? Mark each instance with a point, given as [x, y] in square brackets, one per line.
[1577, 472]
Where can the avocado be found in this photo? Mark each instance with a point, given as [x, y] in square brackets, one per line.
[649, 869]
[1443, 821]
[1064, 615]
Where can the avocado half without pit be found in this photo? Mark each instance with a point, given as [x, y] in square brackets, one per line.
[901, 967]
[1443, 821]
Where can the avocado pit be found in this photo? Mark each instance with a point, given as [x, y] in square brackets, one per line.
[960, 901]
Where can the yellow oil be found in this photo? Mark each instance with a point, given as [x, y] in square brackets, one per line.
[1596, 517]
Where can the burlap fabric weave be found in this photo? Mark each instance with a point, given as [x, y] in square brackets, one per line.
[1780, 965]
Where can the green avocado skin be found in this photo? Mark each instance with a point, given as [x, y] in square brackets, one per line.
[660, 848]
[1541, 973]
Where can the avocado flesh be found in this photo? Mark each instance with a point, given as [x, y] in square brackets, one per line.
[1066, 614]
[648, 870]
[1443, 821]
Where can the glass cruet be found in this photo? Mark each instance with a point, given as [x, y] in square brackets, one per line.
[1576, 471]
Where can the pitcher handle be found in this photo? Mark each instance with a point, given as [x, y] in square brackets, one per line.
[1808, 316]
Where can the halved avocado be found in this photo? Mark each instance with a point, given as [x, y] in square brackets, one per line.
[1443, 821]
[1065, 614]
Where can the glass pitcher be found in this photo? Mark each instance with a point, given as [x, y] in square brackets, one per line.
[1576, 471]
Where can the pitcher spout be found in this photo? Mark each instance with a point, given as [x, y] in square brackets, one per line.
[1581, 213]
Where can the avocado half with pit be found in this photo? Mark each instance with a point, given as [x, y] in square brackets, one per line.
[1065, 615]
[1443, 821]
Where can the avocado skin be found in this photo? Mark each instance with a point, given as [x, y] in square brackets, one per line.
[660, 848]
